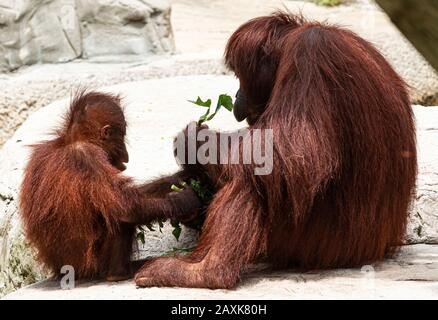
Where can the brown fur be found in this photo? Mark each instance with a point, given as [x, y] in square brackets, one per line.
[344, 159]
[77, 207]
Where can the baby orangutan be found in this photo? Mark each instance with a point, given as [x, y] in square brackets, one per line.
[77, 207]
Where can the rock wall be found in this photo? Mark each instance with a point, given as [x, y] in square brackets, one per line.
[28, 89]
[53, 31]
[423, 226]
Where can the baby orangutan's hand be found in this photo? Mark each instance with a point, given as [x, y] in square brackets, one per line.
[189, 205]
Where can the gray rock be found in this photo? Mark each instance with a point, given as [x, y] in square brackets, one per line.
[220, 18]
[54, 31]
[37, 86]
[31, 88]
[154, 118]
[423, 225]
[413, 274]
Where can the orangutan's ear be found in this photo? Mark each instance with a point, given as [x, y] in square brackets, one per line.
[105, 132]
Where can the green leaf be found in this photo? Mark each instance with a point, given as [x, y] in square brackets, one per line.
[175, 188]
[212, 116]
[226, 101]
[205, 194]
[328, 3]
[140, 237]
[199, 102]
[218, 106]
[179, 251]
[176, 230]
[174, 224]
[177, 233]
[149, 226]
[204, 117]
[161, 225]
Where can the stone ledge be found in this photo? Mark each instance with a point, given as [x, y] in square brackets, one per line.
[413, 274]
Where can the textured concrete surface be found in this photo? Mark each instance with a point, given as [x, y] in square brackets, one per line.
[154, 119]
[412, 275]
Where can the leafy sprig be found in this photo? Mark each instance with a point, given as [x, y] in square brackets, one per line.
[224, 100]
[204, 194]
[178, 251]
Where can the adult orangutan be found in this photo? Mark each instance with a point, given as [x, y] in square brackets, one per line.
[77, 207]
[344, 156]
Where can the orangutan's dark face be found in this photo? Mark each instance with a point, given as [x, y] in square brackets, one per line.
[240, 106]
[255, 90]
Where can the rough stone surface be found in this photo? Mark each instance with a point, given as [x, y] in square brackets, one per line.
[24, 92]
[154, 118]
[413, 274]
[199, 52]
[55, 31]
[219, 18]
[423, 225]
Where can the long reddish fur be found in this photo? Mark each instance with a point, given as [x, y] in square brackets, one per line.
[344, 159]
[80, 210]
